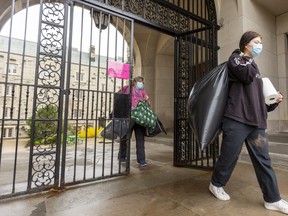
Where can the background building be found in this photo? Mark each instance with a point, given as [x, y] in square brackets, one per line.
[14, 90]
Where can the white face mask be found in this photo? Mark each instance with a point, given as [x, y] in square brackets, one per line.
[139, 85]
[256, 49]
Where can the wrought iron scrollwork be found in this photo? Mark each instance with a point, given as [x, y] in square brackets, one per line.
[211, 11]
[154, 12]
[150, 10]
[197, 55]
[43, 167]
[49, 70]
[46, 117]
[135, 7]
[170, 15]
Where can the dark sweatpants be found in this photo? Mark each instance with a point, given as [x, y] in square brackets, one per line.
[234, 135]
[140, 148]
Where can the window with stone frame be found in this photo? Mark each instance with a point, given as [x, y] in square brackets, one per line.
[12, 68]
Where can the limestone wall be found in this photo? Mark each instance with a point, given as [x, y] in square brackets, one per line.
[237, 16]
[282, 62]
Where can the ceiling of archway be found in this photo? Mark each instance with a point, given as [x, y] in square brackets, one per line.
[276, 7]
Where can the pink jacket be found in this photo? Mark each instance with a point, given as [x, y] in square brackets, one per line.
[137, 95]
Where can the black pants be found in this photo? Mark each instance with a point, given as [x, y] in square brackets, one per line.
[234, 135]
[140, 138]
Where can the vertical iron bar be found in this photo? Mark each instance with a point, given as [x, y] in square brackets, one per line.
[64, 96]
[130, 92]
[97, 93]
[32, 136]
[12, 102]
[193, 7]
[206, 69]
[176, 81]
[107, 58]
[116, 40]
[27, 102]
[214, 63]
[206, 11]
[66, 112]
[88, 97]
[80, 90]
[201, 68]
[20, 95]
[96, 101]
[193, 81]
[6, 78]
[114, 87]
[78, 93]
[123, 46]
[116, 51]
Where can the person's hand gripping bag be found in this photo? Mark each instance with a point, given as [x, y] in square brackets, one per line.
[206, 104]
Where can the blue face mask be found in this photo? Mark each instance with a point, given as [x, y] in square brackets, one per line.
[139, 85]
[256, 49]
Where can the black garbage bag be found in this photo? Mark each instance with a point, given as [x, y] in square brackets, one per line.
[116, 128]
[157, 130]
[120, 124]
[206, 104]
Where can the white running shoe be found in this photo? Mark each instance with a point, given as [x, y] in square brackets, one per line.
[281, 206]
[218, 192]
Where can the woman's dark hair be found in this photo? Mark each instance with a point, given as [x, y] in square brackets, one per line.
[138, 78]
[246, 38]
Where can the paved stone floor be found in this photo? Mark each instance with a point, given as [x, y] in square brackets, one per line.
[160, 189]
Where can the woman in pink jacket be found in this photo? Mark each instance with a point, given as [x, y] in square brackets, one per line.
[138, 93]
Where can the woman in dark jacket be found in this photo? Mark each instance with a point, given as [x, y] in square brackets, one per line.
[245, 120]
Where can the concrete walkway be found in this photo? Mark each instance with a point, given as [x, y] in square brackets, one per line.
[160, 189]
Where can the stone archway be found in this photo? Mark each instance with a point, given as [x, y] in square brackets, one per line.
[192, 25]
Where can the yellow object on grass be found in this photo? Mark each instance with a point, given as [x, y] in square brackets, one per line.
[90, 132]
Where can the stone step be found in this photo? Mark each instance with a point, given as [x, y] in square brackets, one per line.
[279, 160]
[277, 144]
[279, 137]
[167, 140]
[278, 148]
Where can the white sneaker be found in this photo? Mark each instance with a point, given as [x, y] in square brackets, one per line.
[281, 206]
[218, 192]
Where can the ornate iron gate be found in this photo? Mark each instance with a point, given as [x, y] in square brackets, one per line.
[193, 23]
[58, 92]
[196, 54]
[61, 97]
